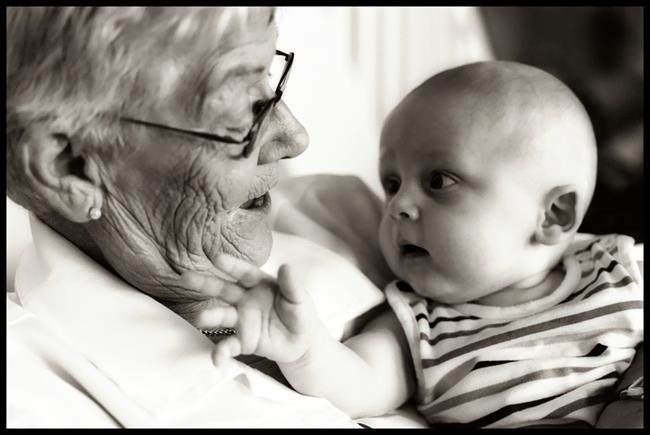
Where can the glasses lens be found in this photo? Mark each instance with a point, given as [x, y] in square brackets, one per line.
[278, 75]
[276, 70]
[287, 71]
[285, 78]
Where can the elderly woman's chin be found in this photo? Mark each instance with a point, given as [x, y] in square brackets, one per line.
[247, 235]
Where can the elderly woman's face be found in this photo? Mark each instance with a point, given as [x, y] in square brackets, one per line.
[178, 200]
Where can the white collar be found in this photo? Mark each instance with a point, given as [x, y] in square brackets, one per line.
[157, 360]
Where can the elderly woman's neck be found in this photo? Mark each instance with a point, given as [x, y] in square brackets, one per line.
[78, 235]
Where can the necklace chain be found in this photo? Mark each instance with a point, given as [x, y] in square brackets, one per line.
[219, 331]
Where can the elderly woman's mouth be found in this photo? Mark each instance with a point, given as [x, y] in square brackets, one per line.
[262, 202]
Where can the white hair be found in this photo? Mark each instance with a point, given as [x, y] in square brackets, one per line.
[81, 67]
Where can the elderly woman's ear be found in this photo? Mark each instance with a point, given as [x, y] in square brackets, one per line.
[65, 178]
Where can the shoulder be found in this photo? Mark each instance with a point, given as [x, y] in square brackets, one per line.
[612, 243]
[607, 251]
[609, 283]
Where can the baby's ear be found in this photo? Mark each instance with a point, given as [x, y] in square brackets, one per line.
[559, 216]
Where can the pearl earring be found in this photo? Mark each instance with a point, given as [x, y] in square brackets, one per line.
[95, 213]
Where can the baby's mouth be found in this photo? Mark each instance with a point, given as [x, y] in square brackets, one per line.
[409, 250]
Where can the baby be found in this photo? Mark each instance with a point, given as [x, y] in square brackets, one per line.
[500, 317]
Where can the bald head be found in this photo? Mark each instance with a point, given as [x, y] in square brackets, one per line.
[507, 112]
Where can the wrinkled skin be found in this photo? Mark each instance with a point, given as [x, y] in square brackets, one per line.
[172, 201]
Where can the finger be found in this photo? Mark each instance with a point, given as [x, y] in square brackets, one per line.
[211, 286]
[249, 328]
[219, 316]
[245, 273]
[229, 347]
[290, 288]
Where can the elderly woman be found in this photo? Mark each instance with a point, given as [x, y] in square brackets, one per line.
[144, 142]
[148, 137]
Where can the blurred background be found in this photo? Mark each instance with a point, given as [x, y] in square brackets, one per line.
[353, 64]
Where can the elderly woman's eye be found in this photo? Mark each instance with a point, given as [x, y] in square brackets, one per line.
[258, 107]
[439, 180]
[391, 185]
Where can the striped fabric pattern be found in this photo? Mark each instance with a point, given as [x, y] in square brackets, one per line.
[542, 363]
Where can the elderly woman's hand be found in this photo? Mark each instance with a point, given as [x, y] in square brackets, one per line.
[273, 319]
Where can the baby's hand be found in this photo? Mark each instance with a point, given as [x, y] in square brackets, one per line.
[276, 320]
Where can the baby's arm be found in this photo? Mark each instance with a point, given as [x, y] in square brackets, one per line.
[368, 375]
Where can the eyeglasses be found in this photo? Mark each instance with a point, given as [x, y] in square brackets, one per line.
[261, 109]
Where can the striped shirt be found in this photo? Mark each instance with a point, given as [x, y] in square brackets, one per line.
[549, 361]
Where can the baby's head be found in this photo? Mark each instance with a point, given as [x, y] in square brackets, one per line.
[488, 170]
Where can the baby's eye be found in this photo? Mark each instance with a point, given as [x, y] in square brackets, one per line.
[391, 185]
[439, 180]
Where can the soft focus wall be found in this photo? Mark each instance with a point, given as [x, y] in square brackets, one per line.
[353, 64]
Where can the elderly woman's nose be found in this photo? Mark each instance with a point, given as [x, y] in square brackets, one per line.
[285, 136]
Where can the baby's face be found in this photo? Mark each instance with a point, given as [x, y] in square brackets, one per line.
[458, 214]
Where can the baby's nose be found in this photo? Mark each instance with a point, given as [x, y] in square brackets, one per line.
[404, 209]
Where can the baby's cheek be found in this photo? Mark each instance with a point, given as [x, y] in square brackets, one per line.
[386, 245]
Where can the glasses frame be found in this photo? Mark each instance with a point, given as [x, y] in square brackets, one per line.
[250, 137]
